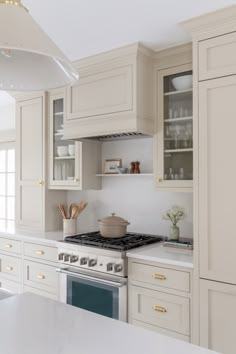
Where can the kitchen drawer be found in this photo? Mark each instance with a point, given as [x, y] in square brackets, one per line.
[41, 276]
[10, 267]
[160, 309]
[9, 245]
[40, 292]
[217, 57]
[167, 278]
[161, 330]
[42, 252]
[12, 286]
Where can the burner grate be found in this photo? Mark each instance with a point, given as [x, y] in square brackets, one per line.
[128, 242]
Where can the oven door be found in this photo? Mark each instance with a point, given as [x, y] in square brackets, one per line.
[103, 294]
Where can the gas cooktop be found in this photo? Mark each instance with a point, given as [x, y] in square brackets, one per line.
[128, 242]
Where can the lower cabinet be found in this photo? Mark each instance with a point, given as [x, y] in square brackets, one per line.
[13, 286]
[160, 299]
[40, 292]
[218, 316]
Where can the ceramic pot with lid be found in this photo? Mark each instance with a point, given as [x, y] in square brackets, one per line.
[113, 226]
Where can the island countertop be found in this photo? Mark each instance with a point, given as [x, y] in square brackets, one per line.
[31, 324]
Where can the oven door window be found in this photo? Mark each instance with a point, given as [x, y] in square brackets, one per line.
[92, 296]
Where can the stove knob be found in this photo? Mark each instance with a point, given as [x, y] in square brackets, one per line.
[61, 256]
[66, 257]
[73, 259]
[118, 268]
[92, 262]
[83, 261]
[110, 267]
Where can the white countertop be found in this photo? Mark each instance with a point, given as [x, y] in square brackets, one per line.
[166, 255]
[31, 324]
[50, 237]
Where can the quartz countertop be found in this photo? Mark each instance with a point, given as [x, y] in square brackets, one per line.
[50, 237]
[31, 324]
[161, 254]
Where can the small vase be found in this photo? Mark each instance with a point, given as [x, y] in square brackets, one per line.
[174, 233]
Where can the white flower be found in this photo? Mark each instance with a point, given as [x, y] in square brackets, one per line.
[175, 215]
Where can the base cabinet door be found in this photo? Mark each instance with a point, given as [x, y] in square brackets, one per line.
[218, 316]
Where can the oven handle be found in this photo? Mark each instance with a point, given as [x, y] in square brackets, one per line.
[95, 279]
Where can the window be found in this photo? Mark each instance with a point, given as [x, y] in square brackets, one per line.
[7, 187]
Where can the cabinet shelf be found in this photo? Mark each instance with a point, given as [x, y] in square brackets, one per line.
[124, 174]
[178, 150]
[58, 114]
[180, 119]
[64, 157]
[178, 92]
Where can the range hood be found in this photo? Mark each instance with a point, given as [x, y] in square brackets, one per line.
[113, 99]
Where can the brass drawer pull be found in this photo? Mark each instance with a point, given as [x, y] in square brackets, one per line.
[159, 309]
[9, 268]
[41, 183]
[8, 245]
[41, 276]
[159, 276]
[39, 252]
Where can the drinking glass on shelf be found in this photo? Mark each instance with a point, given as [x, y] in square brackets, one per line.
[181, 173]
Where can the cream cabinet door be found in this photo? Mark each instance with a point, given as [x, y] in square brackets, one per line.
[29, 149]
[100, 94]
[218, 316]
[217, 179]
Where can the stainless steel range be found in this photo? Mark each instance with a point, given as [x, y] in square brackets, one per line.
[94, 271]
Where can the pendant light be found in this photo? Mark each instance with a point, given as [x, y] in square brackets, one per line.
[29, 59]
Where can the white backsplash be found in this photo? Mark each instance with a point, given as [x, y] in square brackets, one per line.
[133, 198]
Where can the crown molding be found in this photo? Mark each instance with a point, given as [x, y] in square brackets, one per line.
[173, 56]
[212, 24]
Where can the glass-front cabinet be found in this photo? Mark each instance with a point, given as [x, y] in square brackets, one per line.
[64, 154]
[174, 168]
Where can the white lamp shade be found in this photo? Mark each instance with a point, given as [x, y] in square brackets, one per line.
[29, 60]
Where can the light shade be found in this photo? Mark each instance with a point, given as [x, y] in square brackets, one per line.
[29, 59]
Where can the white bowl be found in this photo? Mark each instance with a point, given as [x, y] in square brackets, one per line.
[71, 150]
[62, 151]
[184, 82]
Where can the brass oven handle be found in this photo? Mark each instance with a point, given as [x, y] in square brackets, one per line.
[9, 268]
[159, 276]
[39, 252]
[159, 309]
[41, 276]
[8, 245]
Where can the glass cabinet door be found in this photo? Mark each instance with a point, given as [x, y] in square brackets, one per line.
[64, 153]
[176, 124]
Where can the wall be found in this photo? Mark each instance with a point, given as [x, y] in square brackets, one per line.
[7, 117]
[133, 198]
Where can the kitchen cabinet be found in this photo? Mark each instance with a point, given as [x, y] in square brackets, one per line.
[216, 198]
[217, 56]
[35, 206]
[174, 140]
[72, 164]
[218, 316]
[160, 298]
[31, 266]
[112, 96]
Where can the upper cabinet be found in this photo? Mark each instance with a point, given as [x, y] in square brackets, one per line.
[173, 157]
[112, 96]
[72, 164]
[36, 207]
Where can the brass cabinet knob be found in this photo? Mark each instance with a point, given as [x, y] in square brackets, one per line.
[159, 179]
[9, 268]
[159, 309]
[7, 245]
[39, 252]
[41, 183]
[159, 276]
[41, 276]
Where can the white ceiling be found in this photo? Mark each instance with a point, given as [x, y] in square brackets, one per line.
[86, 27]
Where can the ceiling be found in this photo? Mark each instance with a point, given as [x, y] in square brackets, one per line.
[85, 27]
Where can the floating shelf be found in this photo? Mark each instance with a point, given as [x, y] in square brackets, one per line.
[125, 175]
[180, 119]
[64, 157]
[178, 150]
[178, 92]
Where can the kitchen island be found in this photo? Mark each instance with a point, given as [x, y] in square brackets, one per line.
[31, 324]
